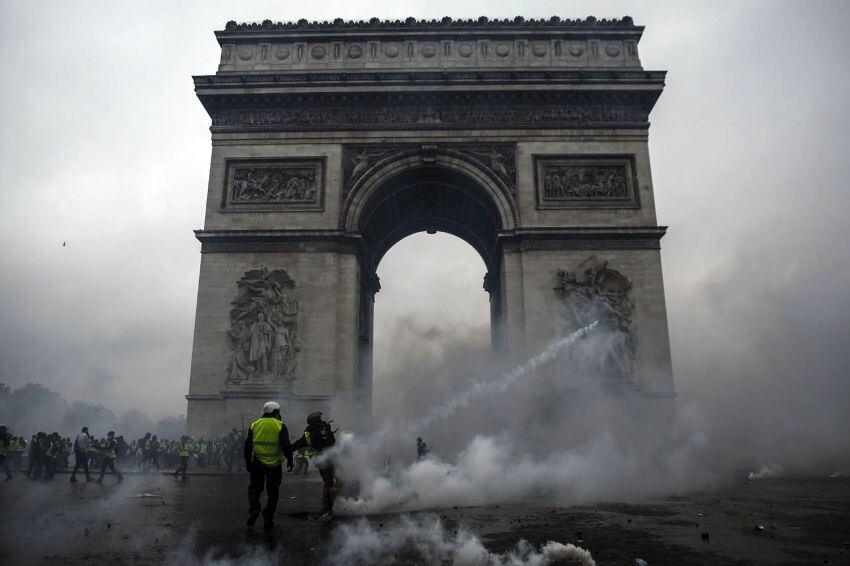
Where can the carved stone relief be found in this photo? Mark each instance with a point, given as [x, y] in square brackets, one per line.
[595, 292]
[274, 185]
[263, 333]
[585, 182]
[497, 159]
[418, 116]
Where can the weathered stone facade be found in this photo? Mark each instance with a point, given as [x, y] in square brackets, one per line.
[333, 141]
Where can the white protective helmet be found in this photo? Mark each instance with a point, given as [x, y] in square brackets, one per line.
[270, 407]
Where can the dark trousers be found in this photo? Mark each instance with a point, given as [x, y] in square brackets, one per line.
[108, 463]
[81, 460]
[5, 466]
[271, 477]
[184, 465]
[35, 466]
[330, 488]
[49, 467]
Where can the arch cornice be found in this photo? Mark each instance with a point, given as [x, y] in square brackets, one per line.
[489, 168]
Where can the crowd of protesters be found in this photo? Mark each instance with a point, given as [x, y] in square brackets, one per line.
[45, 453]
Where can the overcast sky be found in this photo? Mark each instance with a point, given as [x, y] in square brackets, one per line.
[105, 147]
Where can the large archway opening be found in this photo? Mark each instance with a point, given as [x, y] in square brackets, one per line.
[430, 199]
[431, 309]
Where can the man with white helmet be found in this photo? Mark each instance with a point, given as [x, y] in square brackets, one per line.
[266, 446]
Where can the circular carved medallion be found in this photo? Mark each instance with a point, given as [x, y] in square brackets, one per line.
[282, 53]
[465, 50]
[429, 51]
[245, 53]
[391, 51]
[318, 52]
[612, 49]
[503, 50]
[355, 52]
[576, 50]
[539, 49]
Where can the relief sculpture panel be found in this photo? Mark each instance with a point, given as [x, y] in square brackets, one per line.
[595, 292]
[586, 182]
[263, 333]
[274, 185]
[497, 159]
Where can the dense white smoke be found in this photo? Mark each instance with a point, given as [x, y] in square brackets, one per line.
[361, 543]
[481, 388]
[557, 434]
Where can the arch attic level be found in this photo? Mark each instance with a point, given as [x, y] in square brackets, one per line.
[332, 141]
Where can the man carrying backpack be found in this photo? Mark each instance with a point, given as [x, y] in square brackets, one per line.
[318, 437]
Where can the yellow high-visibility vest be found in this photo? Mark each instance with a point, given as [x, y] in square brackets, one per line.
[111, 447]
[265, 436]
[310, 451]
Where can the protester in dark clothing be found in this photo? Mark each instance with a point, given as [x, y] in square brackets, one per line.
[6, 448]
[266, 446]
[318, 437]
[35, 464]
[81, 454]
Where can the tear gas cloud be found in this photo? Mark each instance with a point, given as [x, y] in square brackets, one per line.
[552, 432]
[362, 543]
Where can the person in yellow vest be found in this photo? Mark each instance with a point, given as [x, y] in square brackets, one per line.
[18, 449]
[184, 450]
[318, 437]
[110, 452]
[266, 446]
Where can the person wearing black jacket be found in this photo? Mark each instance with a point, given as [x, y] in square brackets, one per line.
[266, 446]
[318, 437]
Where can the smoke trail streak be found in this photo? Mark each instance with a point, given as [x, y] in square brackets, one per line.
[481, 388]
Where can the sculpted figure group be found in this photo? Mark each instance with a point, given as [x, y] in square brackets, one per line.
[263, 329]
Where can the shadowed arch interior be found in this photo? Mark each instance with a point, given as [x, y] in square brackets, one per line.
[430, 199]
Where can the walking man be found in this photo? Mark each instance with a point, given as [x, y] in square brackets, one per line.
[110, 452]
[266, 446]
[81, 454]
[184, 451]
[318, 437]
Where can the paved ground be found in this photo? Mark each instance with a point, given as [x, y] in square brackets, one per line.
[151, 519]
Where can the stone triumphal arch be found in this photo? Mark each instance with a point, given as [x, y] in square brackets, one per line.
[332, 141]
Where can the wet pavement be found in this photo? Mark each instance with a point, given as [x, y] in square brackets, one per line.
[151, 519]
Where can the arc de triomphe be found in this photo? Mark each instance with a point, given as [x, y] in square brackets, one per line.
[333, 141]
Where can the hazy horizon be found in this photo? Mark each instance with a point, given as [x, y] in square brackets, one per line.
[106, 148]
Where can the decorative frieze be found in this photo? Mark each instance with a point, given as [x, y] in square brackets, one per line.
[496, 159]
[444, 44]
[587, 181]
[279, 185]
[430, 116]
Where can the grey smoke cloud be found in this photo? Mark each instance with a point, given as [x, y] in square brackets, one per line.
[106, 148]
